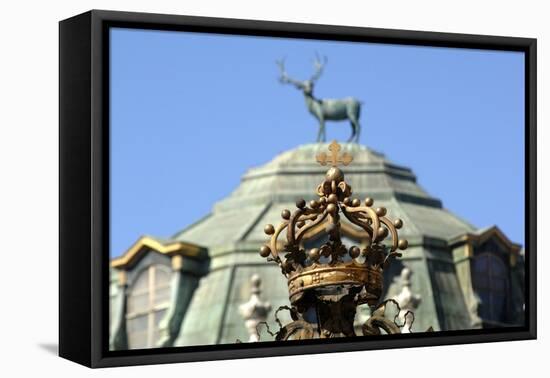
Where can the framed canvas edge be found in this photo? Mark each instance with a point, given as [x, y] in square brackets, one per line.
[97, 255]
[75, 234]
[280, 349]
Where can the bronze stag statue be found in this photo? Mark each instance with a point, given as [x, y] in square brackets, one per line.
[325, 109]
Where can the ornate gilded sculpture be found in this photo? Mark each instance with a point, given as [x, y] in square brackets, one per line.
[326, 284]
[325, 109]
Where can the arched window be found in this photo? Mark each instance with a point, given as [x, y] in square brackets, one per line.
[490, 276]
[148, 301]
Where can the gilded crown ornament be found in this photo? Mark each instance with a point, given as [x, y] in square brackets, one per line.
[327, 283]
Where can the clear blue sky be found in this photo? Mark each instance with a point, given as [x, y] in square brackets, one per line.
[190, 113]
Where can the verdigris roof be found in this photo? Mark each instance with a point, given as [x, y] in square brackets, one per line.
[265, 190]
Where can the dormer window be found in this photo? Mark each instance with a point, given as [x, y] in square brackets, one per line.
[148, 301]
[490, 276]
[488, 271]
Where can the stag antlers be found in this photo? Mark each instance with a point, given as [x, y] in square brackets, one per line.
[284, 78]
[318, 65]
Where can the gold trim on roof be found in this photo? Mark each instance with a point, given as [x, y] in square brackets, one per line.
[132, 255]
[476, 239]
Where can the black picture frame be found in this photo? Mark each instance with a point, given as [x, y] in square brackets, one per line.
[84, 186]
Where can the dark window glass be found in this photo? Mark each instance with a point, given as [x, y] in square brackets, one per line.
[490, 277]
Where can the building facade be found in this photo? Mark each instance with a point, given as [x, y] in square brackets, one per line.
[187, 290]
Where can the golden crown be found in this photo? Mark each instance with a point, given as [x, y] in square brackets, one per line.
[334, 269]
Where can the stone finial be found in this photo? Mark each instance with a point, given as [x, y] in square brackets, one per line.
[473, 308]
[407, 300]
[255, 310]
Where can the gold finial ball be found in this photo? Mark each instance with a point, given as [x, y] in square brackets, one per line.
[331, 208]
[382, 232]
[300, 224]
[285, 214]
[314, 254]
[335, 174]
[398, 223]
[323, 200]
[313, 204]
[332, 198]
[347, 201]
[369, 202]
[380, 211]
[265, 251]
[301, 203]
[354, 252]
[402, 244]
[269, 229]
[356, 202]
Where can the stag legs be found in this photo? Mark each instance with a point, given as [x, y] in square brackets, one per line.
[351, 139]
[355, 131]
[355, 126]
[321, 135]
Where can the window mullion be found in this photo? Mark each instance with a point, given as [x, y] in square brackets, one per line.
[151, 316]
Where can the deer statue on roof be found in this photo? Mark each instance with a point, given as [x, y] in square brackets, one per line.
[325, 109]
